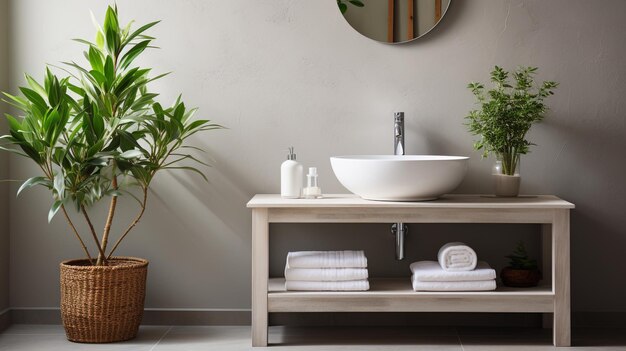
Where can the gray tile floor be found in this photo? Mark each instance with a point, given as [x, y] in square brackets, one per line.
[234, 338]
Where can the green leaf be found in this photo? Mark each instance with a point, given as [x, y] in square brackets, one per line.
[59, 185]
[98, 161]
[51, 126]
[127, 141]
[138, 32]
[100, 40]
[31, 152]
[95, 59]
[35, 98]
[99, 77]
[34, 181]
[110, 20]
[112, 41]
[131, 154]
[184, 157]
[135, 51]
[54, 209]
[356, 3]
[343, 7]
[126, 81]
[109, 72]
[14, 125]
[179, 112]
[126, 29]
[16, 101]
[35, 86]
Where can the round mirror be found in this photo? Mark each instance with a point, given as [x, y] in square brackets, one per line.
[393, 21]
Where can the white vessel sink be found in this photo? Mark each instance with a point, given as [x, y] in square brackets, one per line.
[399, 178]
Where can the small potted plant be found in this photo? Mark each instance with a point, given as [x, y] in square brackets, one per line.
[522, 270]
[505, 115]
[98, 134]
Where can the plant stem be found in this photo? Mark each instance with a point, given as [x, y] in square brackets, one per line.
[133, 223]
[509, 161]
[93, 234]
[107, 226]
[82, 243]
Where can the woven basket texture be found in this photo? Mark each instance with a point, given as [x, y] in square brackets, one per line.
[102, 304]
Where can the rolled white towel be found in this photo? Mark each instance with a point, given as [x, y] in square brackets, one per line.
[431, 271]
[479, 285]
[348, 285]
[457, 256]
[326, 259]
[325, 274]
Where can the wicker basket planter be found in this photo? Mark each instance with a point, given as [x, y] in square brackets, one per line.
[103, 303]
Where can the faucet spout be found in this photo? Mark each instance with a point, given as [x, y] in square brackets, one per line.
[398, 133]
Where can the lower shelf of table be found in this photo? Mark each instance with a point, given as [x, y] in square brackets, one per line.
[396, 295]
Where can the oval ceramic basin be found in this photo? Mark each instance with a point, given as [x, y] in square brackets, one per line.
[399, 178]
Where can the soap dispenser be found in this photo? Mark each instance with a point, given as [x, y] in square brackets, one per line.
[291, 173]
[312, 190]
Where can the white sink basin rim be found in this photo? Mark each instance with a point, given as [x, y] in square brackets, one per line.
[399, 177]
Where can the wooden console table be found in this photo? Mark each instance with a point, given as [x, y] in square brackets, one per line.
[396, 295]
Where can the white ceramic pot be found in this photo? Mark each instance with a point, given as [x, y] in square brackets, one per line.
[507, 185]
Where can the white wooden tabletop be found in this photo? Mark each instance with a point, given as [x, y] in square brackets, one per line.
[447, 201]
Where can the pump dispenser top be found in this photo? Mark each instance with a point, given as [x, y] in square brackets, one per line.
[291, 155]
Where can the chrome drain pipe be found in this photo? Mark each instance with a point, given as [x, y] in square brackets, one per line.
[400, 230]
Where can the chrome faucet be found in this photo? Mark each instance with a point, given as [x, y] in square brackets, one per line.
[399, 229]
[398, 133]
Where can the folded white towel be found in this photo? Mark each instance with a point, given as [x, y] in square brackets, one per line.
[325, 274]
[479, 285]
[457, 256]
[326, 259]
[348, 285]
[431, 271]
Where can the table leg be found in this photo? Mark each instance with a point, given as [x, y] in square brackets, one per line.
[260, 275]
[561, 277]
[546, 266]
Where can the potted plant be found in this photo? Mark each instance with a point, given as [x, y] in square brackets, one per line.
[98, 134]
[505, 115]
[522, 270]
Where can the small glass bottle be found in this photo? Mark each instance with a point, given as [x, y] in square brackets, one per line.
[312, 190]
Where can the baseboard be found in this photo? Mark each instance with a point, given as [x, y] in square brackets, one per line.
[5, 319]
[36, 315]
[151, 316]
[599, 319]
[160, 316]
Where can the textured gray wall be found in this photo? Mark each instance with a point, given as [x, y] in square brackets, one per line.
[4, 162]
[292, 72]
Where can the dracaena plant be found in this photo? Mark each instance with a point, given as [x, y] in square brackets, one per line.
[98, 133]
[506, 114]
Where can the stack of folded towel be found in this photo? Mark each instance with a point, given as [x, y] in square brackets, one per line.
[458, 269]
[326, 271]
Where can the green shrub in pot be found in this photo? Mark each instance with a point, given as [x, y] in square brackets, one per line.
[97, 133]
[522, 271]
[505, 115]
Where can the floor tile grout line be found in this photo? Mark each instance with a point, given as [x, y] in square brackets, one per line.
[161, 338]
